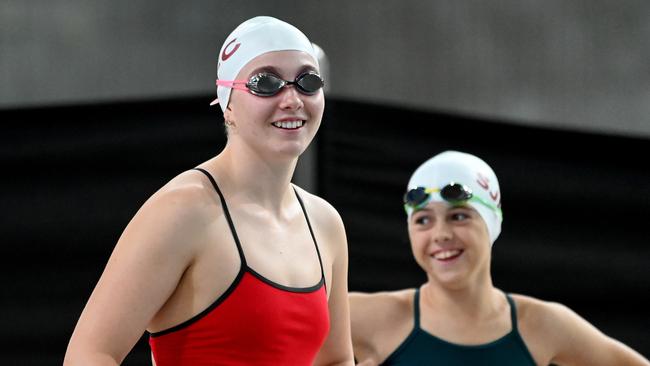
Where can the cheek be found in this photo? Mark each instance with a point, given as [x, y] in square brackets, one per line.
[419, 241]
[316, 106]
[246, 106]
[479, 238]
[482, 234]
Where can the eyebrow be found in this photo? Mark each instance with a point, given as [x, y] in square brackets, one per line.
[463, 206]
[267, 68]
[272, 69]
[424, 209]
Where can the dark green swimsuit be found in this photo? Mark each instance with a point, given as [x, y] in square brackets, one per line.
[423, 348]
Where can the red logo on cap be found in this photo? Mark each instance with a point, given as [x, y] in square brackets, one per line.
[484, 182]
[226, 55]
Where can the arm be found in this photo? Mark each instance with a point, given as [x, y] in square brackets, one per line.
[141, 274]
[381, 321]
[362, 319]
[577, 342]
[337, 349]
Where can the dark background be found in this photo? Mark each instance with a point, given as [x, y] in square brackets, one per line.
[575, 205]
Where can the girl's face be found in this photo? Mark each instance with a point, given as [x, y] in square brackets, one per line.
[451, 243]
[280, 126]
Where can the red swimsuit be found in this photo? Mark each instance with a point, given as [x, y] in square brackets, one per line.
[255, 322]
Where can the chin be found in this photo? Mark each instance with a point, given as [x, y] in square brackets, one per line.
[453, 281]
[287, 152]
[293, 149]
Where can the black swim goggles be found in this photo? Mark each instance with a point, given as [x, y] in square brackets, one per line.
[266, 84]
[454, 193]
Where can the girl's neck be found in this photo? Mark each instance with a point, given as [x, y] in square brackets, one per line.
[476, 300]
[250, 178]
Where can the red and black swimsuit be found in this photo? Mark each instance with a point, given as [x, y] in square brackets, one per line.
[255, 322]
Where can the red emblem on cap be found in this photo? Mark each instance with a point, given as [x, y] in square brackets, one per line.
[494, 196]
[225, 54]
[484, 182]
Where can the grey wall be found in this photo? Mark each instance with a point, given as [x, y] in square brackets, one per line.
[575, 64]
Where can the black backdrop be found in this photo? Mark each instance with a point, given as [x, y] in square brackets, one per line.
[575, 206]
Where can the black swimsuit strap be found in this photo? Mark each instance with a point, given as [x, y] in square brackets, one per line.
[228, 217]
[416, 308]
[320, 261]
[513, 312]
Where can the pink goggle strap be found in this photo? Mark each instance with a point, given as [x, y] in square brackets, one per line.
[234, 84]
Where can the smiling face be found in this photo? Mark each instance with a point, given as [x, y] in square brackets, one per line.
[451, 244]
[280, 126]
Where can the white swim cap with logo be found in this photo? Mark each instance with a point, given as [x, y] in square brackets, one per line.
[466, 169]
[252, 38]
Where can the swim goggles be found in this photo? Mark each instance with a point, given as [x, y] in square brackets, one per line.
[266, 84]
[454, 193]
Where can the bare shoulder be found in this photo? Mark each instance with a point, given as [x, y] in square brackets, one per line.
[540, 314]
[380, 322]
[539, 319]
[541, 325]
[326, 223]
[177, 212]
[190, 190]
[374, 313]
[319, 209]
[556, 334]
[529, 307]
[392, 302]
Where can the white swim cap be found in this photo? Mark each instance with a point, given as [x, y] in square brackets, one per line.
[466, 169]
[252, 38]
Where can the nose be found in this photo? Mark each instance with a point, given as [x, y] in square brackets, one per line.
[441, 232]
[291, 98]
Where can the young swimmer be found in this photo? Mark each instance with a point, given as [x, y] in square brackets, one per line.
[229, 263]
[457, 317]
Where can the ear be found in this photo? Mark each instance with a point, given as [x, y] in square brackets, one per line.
[228, 114]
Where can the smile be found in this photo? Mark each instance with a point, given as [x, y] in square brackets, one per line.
[288, 125]
[447, 255]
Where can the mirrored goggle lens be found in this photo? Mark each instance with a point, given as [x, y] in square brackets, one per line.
[265, 84]
[309, 83]
[415, 196]
[455, 192]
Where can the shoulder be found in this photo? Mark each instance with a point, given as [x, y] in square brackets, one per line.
[380, 322]
[186, 196]
[383, 301]
[179, 210]
[325, 221]
[556, 334]
[389, 306]
[542, 325]
[319, 209]
[541, 314]
[553, 330]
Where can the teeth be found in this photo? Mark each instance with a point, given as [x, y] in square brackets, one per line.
[288, 124]
[447, 254]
